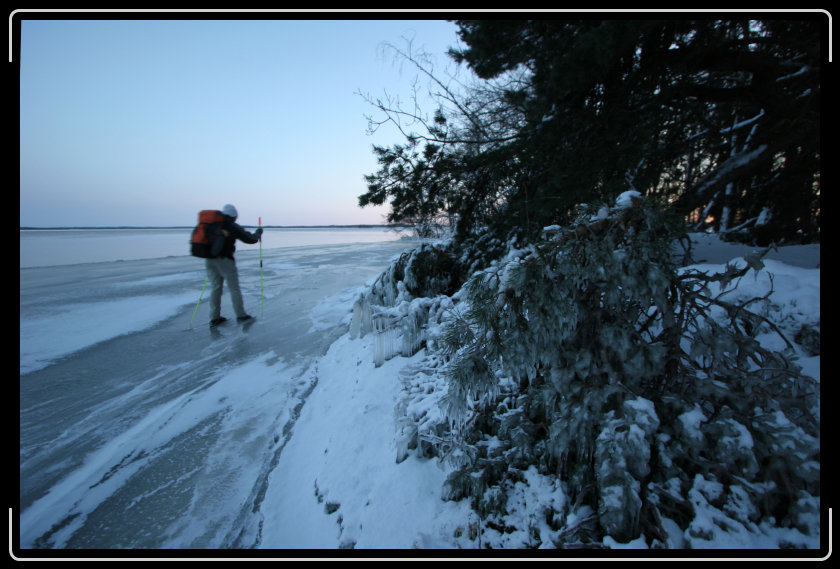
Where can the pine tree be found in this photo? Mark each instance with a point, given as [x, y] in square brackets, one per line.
[719, 119]
[577, 356]
[592, 358]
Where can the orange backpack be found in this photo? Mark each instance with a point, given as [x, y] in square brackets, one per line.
[208, 237]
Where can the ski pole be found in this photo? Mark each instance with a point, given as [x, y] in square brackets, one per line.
[199, 300]
[262, 297]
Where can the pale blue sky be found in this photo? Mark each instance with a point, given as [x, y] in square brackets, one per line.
[139, 122]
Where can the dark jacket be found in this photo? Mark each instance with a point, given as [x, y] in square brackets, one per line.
[234, 231]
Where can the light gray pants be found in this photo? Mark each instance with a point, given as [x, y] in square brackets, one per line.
[219, 271]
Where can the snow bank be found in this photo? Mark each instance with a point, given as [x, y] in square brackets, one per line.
[340, 484]
[708, 248]
[346, 482]
[793, 301]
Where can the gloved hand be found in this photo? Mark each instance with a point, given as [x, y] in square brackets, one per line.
[258, 232]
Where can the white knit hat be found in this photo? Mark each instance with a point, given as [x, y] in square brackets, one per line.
[230, 211]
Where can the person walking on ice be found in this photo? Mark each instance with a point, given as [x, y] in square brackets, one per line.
[222, 268]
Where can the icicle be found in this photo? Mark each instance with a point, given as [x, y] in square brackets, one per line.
[361, 321]
[384, 341]
[384, 347]
[413, 328]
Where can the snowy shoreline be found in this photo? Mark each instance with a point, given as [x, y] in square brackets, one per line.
[329, 453]
[351, 463]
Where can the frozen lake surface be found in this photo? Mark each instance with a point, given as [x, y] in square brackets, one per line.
[138, 430]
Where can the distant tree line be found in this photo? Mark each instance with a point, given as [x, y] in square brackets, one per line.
[716, 120]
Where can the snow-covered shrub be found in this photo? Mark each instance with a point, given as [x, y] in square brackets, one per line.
[432, 270]
[590, 357]
[397, 305]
